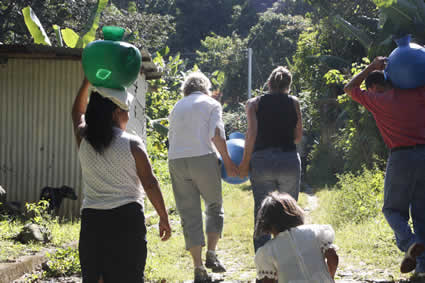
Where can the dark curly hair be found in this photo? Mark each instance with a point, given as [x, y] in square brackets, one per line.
[99, 131]
[279, 212]
[376, 77]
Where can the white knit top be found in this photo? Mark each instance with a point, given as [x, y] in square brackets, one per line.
[297, 255]
[110, 179]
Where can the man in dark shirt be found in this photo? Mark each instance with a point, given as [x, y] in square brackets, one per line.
[400, 118]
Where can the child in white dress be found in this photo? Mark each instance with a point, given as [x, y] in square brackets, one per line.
[297, 253]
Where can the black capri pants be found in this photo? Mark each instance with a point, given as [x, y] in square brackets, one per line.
[113, 244]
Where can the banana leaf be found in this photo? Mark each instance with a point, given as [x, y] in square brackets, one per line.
[57, 30]
[355, 32]
[333, 62]
[420, 5]
[404, 14]
[157, 126]
[90, 35]
[161, 129]
[34, 27]
[367, 21]
[70, 37]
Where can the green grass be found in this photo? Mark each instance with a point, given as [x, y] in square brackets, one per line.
[170, 261]
[366, 249]
[303, 200]
[369, 245]
[10, 250]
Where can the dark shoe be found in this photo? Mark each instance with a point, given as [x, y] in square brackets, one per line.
[201, 275]
[418, 277]
[409, 261]
[213, 263]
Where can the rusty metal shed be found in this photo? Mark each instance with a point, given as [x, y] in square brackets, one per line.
[37, 87]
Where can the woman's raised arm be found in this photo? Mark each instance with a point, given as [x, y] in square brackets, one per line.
[79, 110]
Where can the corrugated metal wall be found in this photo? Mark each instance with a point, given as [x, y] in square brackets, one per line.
[37, 146]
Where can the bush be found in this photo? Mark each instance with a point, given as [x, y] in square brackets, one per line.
[234, 119]
[38, 213]
[323, 165]
[160, 169]
[358, 197]
[64, 262]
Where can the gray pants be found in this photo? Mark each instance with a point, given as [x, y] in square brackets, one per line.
[192, 178]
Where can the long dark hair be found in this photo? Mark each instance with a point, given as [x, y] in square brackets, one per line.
[99, 131]
[278, 212]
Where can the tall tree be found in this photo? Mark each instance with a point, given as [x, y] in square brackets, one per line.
[197, 19]
[63, 13]
[145, 30]
[274, 42]
[228, 55]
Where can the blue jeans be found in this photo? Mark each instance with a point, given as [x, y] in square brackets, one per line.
[404, 190]
[273, 170]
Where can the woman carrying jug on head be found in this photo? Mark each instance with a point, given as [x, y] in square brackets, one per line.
[116, 176]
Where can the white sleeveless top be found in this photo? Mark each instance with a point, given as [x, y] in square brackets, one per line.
[110, 179]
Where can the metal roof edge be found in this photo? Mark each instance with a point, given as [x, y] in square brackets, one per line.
[38, 51]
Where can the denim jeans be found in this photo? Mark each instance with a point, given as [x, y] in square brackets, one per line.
[273, 170]
[404, 190]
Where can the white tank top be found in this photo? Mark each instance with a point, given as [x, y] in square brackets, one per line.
[110, 179]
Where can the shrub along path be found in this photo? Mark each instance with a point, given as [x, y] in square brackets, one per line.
[367, 252]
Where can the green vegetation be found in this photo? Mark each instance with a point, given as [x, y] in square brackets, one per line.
[352, 207]
[63, 262]
[170, 261]
[62, 233]
[323, 42]
[166, 260]
[364, 239]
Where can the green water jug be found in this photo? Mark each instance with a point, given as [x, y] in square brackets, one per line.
[111, 63]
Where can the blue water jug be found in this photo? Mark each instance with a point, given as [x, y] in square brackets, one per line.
[236, 135]
[235, 147]
[406, 64]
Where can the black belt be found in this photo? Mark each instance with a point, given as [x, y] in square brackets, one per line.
[407, 147]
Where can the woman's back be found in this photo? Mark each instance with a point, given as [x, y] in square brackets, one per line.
[110, 179]
[192, 125]
[277, 119]
[297, 255]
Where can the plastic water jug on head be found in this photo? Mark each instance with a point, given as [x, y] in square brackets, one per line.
[111, 63]
[406, 64]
